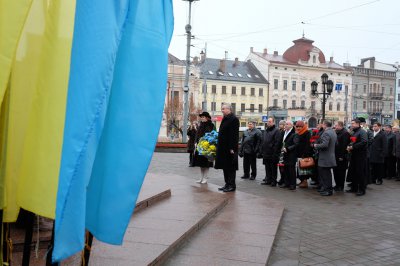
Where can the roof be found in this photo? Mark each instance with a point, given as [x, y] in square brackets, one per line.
[301, 51]
[175, 60]
[238, 71]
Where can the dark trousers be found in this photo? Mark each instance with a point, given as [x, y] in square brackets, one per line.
[250, 160]
[398, 167]
[377, 171]
[230, 177]
[357, 171]
[191, 155]
[339, 172]
[325, 176]
[271, 171]
[290, 175]
[282, 172]
[390, 167]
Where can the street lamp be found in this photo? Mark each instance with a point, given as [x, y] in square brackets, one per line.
[188, 29]
[327, 88]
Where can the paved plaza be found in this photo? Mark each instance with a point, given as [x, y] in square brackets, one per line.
[339, 230]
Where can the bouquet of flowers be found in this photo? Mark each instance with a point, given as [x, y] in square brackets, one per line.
[207, 146]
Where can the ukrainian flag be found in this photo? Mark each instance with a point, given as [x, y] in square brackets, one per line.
[76, 78]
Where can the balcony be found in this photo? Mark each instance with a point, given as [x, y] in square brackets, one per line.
[376, 95]
[375, 111]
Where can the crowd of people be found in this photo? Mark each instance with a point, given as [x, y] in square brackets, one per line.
[361, 154]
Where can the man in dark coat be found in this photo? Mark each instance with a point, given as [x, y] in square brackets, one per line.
[249, 149]
[270, 150]
[289, 157]
[343, 140]
[326, 157]
[397, 148]
[358, 149]
[227, 149]
[377, 154]
[390, 158]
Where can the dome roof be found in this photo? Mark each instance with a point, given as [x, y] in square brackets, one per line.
[301, 50]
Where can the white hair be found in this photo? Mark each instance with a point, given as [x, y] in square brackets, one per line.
[227, 105]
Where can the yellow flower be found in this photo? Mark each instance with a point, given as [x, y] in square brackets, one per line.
[212, 148]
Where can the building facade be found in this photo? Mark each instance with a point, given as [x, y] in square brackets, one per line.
[232, 81]
[374, 90]
[290, 76]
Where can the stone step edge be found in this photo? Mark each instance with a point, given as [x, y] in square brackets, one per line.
[160, 259]
[140, 206]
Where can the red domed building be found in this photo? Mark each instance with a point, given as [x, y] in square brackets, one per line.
[290, 76]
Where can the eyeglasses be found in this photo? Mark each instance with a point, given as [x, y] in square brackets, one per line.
[298, 126]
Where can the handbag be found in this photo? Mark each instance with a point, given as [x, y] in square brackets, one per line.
[306, 163]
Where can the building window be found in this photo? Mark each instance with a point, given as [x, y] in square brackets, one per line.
[365, 88]
[233, 105]
[383, 90]
[355, 88]
[233, 90]
[252, 91]
[303, 86]
[293, 103]
[243, 108]
[338, 107]
[391, 91]
[275, 84]
[293, 85]
[223, 89]
[398, 83]
[303, 104]
[260, 108]
[355, 105]
[213, 106]
[243, 90]
[398, 97]
[330, 106]
[364, 105]
[203, 106]
[252, 108]
[284, 104]
[260, 92]
[314, 59]
[214, 89]
[313, 105]
[391, 106]
[275, 103]
[285, 85]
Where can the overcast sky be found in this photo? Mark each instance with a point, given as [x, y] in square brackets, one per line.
[348, 30]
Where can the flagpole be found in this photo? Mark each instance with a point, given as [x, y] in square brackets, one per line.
[28, 239]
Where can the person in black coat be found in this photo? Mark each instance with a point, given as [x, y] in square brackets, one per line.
[358, 149]
[390, 158]
[191, 133]
[343, 140]
[303, 148]
[397, 151]
[227, 149]
[377, 154]
[249, 149]
[289, 156]
[199, 160]
[270, 150]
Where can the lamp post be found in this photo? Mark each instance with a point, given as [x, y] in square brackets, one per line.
[188, 29]
[327, 88]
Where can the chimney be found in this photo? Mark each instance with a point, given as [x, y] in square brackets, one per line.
[251, 50]
[236, 62]
[195, 60]
[222, 65]
[265, 52]
[203, 56]
[275, 53]
[331, 59]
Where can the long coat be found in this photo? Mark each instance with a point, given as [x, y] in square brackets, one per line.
[200, 160]
[358, 159]
[397, 144]
[271, 144]
[390, 144]
[326, 148]
[228, 139]
[251, 142]
[191, 132]
[378, 148]
[303, 148]
[343, 140]
[290, 156]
